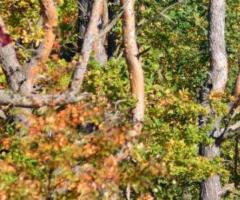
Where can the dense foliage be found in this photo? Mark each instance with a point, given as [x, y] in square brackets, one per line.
[69, 151]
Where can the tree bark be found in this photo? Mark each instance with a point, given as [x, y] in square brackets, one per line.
[211, 188]
[89, 39]
[32, 68]
[134, 64]
[218, 55]
[84, 16]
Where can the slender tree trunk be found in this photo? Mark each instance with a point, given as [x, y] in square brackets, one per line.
[134, 64]
[219, 73]
[211, 188]
[33, 67]
[84, 16]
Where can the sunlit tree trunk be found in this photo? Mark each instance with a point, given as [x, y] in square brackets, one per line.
[134, 64]
[211, 188]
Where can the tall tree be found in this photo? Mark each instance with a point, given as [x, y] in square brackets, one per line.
[211, 188]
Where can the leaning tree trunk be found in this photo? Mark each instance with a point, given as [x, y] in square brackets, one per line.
[211, 188]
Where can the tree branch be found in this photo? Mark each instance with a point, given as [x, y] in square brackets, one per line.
[227, 188]
[49, 13]
[9, 61]
[232, 131]
[39, 100]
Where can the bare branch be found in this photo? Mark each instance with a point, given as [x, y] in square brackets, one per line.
[39, 100]
[231, 131]
[227, 188]
[9, 61]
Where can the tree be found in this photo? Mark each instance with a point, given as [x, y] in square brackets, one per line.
[131, 52]
[211, 188]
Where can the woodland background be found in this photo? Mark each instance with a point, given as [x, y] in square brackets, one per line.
[89, 149]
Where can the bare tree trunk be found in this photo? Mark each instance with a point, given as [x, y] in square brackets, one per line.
[89, 39]
[84, 16]
[32, 68]
[135, 67]
[219, 73]
[211, 188]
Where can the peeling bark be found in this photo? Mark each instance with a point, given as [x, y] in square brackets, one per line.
[135, 67]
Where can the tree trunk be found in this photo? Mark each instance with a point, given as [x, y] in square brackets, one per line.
[135, 67]
[84, 16]
[219, 73]
[211, 188]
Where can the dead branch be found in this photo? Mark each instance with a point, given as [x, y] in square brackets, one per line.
[114, 21]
